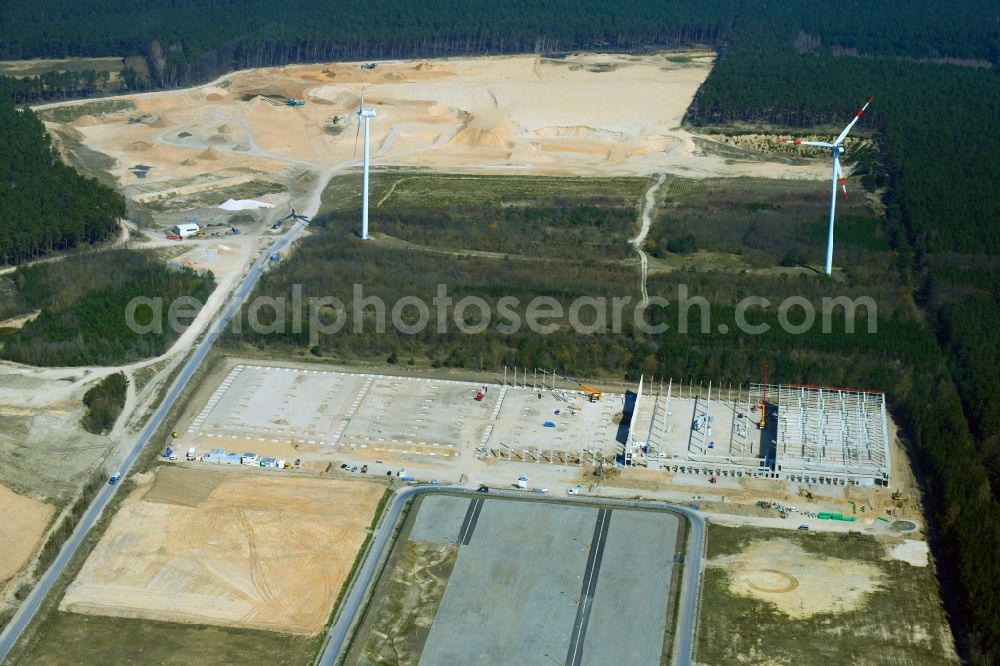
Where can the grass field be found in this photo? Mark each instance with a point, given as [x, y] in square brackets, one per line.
[408, 601]
[854, 604]
[80, 639]
[566, 218]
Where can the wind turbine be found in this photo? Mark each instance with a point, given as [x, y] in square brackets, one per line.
[366, 115]
[837, 147]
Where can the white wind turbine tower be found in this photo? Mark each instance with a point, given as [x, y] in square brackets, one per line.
[837, 148]
[366, 115]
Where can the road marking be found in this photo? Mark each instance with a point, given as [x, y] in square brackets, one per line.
[471, 518]
[575, 653]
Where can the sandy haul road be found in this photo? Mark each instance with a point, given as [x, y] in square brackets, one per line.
[230, 549]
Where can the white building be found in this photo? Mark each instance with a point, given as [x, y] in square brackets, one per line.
[186, 229]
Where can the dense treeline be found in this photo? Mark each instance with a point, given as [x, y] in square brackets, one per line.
[190, 40]
[45, 205]
[104, 402]
[58, 85]
[83, 301]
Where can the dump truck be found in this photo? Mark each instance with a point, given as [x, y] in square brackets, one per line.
[192, 454]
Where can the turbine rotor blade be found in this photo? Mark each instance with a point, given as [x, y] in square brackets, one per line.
[841, 180]
[857, 117]
[800, 142]
[361, 110]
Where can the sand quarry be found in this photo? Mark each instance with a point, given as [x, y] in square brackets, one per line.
[800, 584]
[584, 115]
[230, 549]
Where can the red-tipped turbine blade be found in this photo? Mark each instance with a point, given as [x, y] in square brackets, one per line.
[856, 118]
[862, 109]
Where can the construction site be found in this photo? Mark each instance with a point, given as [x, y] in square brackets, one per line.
[807, 435]
[803, 434]
[211, 547]
[314, 415]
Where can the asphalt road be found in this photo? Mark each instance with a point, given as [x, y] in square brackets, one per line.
[687, 610]
[30, 606]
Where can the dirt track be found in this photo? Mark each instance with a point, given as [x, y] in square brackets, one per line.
[231, 549]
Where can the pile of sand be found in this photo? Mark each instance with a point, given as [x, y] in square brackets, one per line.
[188, 162]
[579, 132]
[161, 121]
[494, 137]
[799, 583]
[218, 140]
[209, 154]
[424, 67]
[85, 121]
[223, 129]
[139, 146]
[214, 97]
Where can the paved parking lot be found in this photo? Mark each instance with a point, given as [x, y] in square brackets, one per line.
[536, 582]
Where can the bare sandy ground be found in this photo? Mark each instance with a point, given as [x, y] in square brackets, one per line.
[25, 521]
[800, 584]
[230, 549]
[586, 114]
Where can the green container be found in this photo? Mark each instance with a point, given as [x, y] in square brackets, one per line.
[836, 516]
[848, 519]
[823, 516]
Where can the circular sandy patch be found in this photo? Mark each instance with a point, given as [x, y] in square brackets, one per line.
[771, 580]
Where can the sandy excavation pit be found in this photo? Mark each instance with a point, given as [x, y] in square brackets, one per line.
[587, 114]
[228, 549]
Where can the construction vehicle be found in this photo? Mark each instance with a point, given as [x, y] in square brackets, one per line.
[763, 504]
[479, 396]
[369, 65]
[593, 394]
[135, 120]
[291, 101]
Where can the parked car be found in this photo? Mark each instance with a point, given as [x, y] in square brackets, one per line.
[803, 527]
